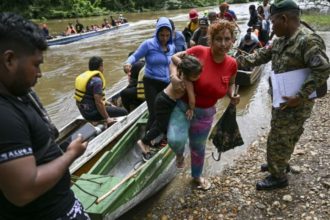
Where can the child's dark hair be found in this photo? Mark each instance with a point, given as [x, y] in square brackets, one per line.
[189, 65]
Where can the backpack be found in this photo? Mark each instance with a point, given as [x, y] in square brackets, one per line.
[187, 33]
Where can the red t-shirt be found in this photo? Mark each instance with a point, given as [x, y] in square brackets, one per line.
[214, 80]
[226, 16]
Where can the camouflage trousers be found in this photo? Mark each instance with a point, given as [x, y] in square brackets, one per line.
[286, 129]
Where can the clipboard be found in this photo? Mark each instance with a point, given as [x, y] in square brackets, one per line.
[288, 84]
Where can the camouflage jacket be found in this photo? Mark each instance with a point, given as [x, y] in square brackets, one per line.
[302, 50]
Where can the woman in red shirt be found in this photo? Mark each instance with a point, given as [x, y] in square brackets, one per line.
[216, 80]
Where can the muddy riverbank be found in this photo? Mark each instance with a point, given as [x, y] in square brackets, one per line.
[233, 195]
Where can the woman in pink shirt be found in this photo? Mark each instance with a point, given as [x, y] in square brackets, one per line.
[216, 80]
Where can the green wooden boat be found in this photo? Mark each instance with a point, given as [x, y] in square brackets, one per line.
[120, 179]
[249, 77]
[246, 77]
[103, 141]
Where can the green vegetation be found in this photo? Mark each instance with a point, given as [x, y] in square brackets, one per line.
[45, 9]
[317, 21]
[54, 8]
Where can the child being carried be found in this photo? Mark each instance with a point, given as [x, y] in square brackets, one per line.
[189, 70]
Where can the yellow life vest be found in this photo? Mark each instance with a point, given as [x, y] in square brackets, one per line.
[81, 84]
[140, 86]
[192, 26]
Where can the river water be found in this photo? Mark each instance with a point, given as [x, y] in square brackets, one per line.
[63, 63]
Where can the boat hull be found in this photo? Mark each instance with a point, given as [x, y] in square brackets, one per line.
[62, 40]
[103, 141]
[247, 78]
[122, 173]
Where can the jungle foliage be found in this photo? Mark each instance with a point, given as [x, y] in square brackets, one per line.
[83, 8]
[38, 9]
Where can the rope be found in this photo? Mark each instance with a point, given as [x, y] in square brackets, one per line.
[88, 193]
[90, 179]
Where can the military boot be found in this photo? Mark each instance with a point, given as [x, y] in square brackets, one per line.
[271, 182]
[264, 168]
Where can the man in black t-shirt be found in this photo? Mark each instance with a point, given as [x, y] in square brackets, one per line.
[79, 27]
[199, 37]
[34, 175]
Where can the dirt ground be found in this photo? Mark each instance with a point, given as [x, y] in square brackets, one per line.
[233, 194]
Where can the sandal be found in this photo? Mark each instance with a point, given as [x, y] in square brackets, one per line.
[146, 156]
[180, 161]
[203, 183]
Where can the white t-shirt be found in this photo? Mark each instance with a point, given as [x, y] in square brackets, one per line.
[266, 11]
[254, 38]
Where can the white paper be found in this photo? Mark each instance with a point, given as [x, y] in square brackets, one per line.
[288, 84]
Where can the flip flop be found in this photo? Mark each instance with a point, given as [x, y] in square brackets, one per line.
[203, 184]
[146, 156]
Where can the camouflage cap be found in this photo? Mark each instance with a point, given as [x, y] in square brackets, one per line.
[284, 5]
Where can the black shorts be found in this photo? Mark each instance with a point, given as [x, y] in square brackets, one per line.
[76, 212]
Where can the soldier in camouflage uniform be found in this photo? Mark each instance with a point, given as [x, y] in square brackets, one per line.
[293, 49]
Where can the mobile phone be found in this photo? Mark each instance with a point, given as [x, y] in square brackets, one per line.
[87, 131]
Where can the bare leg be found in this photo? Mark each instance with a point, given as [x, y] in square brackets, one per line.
[144, 147]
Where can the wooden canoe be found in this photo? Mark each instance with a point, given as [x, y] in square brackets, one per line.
[61, 40]
[248, 77]
[97, 145]
[120, 179]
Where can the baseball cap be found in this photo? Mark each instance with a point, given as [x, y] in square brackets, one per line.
[203, 22]
[193, 14]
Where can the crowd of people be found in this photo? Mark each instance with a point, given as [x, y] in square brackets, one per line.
[78, 27]
[184, 74]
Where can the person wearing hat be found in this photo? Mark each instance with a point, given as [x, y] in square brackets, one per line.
[212, 17]
[191, 26]
[293, 49]
[200, 35]
[122, 19]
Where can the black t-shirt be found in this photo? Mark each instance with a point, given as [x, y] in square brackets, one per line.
[24, 132]
[199, 39]
[79, 27]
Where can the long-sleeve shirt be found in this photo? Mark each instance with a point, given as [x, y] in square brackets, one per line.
[302, 50]
[157, 61]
